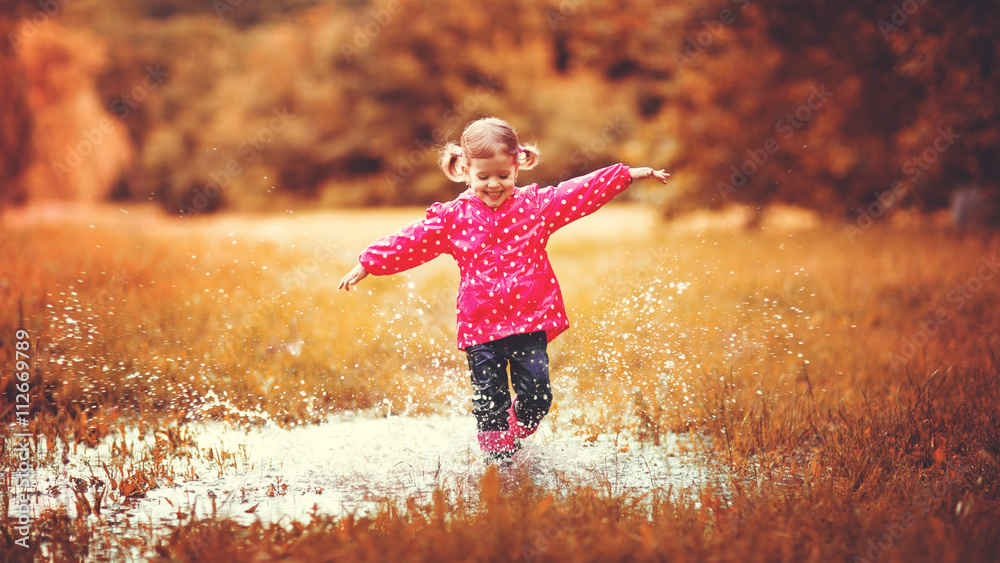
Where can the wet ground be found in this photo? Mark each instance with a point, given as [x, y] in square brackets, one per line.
[352, 462]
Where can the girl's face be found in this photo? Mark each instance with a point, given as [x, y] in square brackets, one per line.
[492, 179]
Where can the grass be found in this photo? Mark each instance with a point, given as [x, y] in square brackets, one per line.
[849, 389]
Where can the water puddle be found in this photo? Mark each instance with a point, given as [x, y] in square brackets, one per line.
[349, 464]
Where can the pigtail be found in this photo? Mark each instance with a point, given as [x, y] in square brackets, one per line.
[451, 161]
[529, 156]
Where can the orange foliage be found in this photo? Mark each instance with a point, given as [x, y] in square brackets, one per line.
[80, 149]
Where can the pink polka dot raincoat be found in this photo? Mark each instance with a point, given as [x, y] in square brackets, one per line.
[507, 284]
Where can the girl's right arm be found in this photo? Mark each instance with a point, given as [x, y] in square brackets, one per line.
[357, 274]
[415, 244]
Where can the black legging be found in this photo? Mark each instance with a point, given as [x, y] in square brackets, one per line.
[529, 374]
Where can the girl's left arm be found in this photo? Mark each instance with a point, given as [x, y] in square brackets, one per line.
[579, 197]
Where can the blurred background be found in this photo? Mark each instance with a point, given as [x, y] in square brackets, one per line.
[849, 108]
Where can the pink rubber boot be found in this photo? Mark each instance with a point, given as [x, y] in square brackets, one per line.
[497, 441]
[499, 447]
[517, 430]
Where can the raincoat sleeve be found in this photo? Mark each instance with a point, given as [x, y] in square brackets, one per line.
[579, 197]
[415, 244]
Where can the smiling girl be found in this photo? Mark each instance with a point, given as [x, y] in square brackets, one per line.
[509, 303]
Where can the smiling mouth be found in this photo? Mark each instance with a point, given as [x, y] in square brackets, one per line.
[494, 195]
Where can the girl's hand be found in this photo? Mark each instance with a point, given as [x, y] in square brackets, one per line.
[353, 277]
[647, 172]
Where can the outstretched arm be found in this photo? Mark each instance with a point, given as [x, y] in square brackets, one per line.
[416, 243]
[579, 197]
[357, 274]
[647, 172]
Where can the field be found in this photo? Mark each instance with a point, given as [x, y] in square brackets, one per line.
[842, 388]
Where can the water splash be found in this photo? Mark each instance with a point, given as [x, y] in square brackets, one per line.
[353, 462]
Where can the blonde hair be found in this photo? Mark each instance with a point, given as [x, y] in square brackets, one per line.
[484, 138]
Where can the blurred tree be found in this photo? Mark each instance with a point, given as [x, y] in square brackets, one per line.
[824, 104]
[63, 145]
[15, 119]
[892, 92]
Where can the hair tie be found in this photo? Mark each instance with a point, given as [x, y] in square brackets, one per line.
[520, 149]
[459, 153]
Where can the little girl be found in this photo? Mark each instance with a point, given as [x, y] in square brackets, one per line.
[509, 303]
